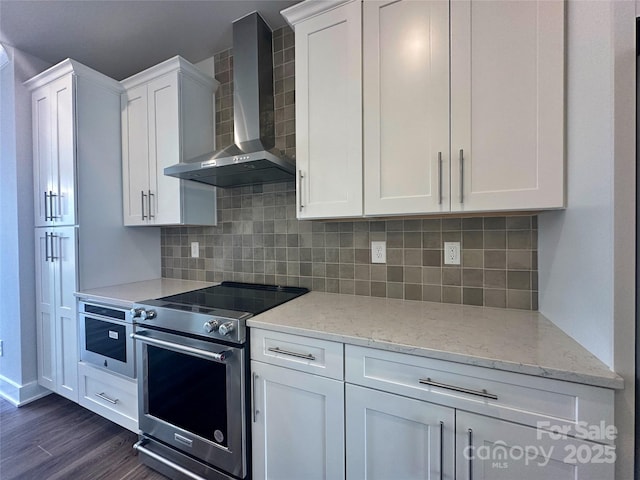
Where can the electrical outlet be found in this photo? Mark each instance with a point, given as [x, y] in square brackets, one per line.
[195, 249]
[452, 253]
[378, 252]
[1, 348]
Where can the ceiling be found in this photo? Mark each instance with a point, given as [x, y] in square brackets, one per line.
[122, 37]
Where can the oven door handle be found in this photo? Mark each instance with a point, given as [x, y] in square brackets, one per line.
[218, 357]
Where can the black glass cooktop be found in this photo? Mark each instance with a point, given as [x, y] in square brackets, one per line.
[240, 297]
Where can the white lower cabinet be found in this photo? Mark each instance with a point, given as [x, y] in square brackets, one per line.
[109, 395]
[56, 318]
[298, 424]
[489, 448]
[400, 416]
[390, 436]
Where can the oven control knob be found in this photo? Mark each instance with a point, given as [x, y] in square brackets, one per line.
[211, 326]
[148, 314]
[226, 328]
[136, 312]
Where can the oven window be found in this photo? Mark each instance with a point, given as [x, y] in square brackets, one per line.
[189, 392]
[106, 338]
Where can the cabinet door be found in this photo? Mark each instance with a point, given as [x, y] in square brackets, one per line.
[389, 436]
[63, 150]
[507, 105]
[135, 156]
[45, 310]
[298, 425]
[406, 106]
[43, 166]
[329, 114]
[488, 448]
[164, 149]
[53, 121]
[56, 324]
[65, 274]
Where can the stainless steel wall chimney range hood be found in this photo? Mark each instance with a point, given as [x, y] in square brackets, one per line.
[253, 159]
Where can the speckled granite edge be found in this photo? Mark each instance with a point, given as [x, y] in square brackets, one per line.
[509, 340]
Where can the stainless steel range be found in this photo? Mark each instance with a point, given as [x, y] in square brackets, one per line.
[192, 366]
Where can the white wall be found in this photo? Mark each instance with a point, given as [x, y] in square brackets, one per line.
[587, 252]
[576, 245]
[18, 374]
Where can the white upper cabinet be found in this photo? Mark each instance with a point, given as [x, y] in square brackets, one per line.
[329, 113]
[462, 106]
[167, 118]
[406, 107]
[507, 105]
[53, 108]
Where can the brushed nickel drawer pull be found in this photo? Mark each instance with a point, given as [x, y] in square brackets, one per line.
[104, 397]
[480, 393]
[140, 447]
[306, 356]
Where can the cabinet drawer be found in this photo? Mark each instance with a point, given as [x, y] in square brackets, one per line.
[520, 398]
[109, 395]
[311, 355]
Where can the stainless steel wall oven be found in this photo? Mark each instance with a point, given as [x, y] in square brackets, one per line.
[192, 367]
[105, 337]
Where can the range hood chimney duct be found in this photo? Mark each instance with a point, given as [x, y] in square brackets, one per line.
[253, 158]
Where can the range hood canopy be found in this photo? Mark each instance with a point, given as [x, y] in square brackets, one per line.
[253, 159]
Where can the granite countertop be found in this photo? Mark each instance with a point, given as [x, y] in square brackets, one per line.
[511, 340]
[125, 295]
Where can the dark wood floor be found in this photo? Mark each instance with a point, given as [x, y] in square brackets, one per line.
[56, 439]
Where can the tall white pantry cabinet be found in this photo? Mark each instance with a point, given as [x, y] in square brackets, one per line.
[80, 240]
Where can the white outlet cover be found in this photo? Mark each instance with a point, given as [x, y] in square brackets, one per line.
[379, 252]
[195, 249]
[452, 253]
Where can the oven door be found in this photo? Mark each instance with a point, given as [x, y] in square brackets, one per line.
[192, 397]
[106, 343]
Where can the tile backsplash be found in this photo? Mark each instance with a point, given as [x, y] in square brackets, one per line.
[258, 238]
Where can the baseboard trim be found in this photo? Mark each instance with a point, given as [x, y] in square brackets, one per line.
[20, 395]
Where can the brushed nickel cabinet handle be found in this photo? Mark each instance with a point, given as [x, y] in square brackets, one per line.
[461, 176]
[150, 195]
[306, 356]
[142, 196]
[51, 215]
[470, 461]
[480, 393]
[46, 246]
[51, 237]
[46, 215]
[441, 452]
[439, 178]
[300, 177]
[106, 398]
[253, 396]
